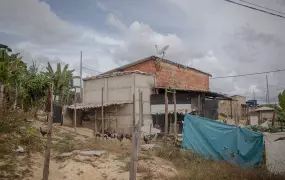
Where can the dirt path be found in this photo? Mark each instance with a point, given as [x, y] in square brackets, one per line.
[112, 165]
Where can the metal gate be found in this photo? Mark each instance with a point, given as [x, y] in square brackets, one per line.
[57, 114]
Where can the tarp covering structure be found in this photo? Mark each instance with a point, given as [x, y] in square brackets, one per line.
[275, 152]
[221, 141]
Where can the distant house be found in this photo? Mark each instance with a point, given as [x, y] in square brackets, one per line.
[234, 108]
[261, 115]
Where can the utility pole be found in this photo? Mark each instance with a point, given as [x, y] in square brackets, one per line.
[267, 91]
[81, 98]
[253, 94]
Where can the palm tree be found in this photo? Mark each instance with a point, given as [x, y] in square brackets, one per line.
[11, 68]
[63, 81]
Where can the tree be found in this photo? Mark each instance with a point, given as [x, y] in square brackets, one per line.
[11, 68]
[33, 87]
[63, 82]
[281, 109]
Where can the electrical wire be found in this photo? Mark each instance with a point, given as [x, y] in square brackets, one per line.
[262, 7]
[240, 4]
[91, 69]
[249, 74]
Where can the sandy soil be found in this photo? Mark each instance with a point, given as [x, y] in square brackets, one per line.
[109, 166]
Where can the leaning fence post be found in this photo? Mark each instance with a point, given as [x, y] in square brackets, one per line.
[49, 130]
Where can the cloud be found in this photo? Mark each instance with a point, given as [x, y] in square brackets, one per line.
[35, 21]
[214, 36]
[140, 40]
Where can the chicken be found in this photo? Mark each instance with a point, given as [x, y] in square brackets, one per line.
[97, 134]
[120, 137]
[114, 135]
[107, 133]
[43, 131]
[148, 138]
[128, 136]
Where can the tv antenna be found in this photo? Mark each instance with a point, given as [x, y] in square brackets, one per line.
[162, 51]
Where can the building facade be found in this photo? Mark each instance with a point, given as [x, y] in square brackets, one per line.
[234, 108]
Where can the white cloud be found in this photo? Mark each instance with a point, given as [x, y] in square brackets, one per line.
[34, 20]
[214, 36]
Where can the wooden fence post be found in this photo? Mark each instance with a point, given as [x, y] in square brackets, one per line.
[140, 119]
[49, 130]
[175, 116]
[102, 110]
[134, 159]
[75, 115]
[166, 117]
[95, 121]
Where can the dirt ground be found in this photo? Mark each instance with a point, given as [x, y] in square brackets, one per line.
[114, 164]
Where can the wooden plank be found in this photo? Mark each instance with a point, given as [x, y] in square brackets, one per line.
[49, 130]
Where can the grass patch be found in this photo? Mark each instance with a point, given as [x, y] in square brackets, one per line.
[14, 132]
[190, 166]
[65, 143]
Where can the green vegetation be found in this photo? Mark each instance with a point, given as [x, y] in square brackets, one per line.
[25, 87]
[281, 109]
[14, 132]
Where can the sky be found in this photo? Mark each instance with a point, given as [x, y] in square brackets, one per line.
[214, 36]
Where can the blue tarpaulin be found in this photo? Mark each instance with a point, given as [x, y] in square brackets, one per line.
[221, 141]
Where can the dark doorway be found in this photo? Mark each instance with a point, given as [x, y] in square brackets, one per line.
[57, 114]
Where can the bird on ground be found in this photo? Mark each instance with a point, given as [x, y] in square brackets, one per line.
[148, 138]
[120, 137]
[43, 131]
[128, 136]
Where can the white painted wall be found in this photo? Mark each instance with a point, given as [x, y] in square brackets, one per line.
[160, 108]
[253, 120]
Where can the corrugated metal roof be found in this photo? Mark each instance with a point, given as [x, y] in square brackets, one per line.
[264, 109]
[95, 105]
[207, 93]
[155, 58]
[112, 74]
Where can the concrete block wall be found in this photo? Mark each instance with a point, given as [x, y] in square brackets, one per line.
[121, 89]
[169, 75]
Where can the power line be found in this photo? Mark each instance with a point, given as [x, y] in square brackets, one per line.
[91, 69]
[250, 74]
[262, 7]
[240, 4]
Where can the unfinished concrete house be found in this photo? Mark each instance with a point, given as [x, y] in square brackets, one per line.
[153, 76]
[191, 87]
[117, 90]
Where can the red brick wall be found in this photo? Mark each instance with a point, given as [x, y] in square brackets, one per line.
[172, 76]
